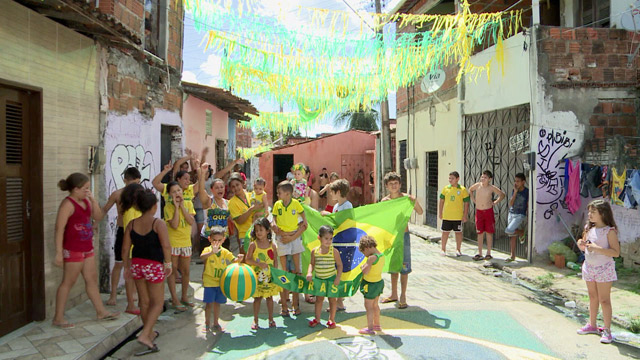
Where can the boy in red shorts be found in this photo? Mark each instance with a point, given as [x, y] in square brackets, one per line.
[482, 195]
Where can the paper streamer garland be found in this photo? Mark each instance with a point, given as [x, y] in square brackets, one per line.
[248, 153]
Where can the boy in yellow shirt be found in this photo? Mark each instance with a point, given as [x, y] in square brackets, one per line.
[453, 210]
[288, 229]
[216, 259]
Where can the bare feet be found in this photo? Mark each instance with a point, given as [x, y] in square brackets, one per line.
[111, 302]
[109, 315]
[63, 324]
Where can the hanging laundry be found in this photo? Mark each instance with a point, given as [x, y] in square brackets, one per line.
[629, 196]
[573, 199]
[634, 184]
[617, 186]
[590, 181]
[605, 182]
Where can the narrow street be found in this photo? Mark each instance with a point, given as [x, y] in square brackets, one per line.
[455, 312]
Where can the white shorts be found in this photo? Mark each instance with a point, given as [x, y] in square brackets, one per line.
[291, 248]
[181, 251]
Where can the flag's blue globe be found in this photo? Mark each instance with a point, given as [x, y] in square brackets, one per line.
[347, 241]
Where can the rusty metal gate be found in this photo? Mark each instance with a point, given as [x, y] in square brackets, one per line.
[487, 140]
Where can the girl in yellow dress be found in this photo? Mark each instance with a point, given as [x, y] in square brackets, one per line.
[261, 256]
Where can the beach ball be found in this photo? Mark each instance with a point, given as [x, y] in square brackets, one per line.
[238, 282]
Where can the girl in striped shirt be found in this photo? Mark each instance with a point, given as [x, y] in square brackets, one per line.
[325, 265]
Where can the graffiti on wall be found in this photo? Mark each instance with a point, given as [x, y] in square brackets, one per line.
[553, 146]
[126, 156]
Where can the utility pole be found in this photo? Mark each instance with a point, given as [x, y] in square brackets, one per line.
[384, 114]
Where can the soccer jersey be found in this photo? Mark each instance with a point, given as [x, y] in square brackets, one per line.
[129, 215]
[237, 207]
[454, 199]
[187, 194]
[215, 265]
[180, 237]
[256, 199]
[287, 216]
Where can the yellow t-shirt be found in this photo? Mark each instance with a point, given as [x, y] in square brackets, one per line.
[238, 207]
[187, 194]
[255, 199]
[454, 199]
[215, 265]
[130, 214]
[180, 237]
[287, 216]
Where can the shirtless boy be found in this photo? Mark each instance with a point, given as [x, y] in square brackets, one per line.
[482, 195]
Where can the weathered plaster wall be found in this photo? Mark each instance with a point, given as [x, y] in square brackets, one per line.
[195, 135]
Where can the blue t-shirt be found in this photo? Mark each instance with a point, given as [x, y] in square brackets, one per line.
[521, 203]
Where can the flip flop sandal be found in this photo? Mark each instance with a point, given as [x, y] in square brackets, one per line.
[272, 324]
[110, 316]
[388, 300]
[254, 327]
[133, 312]
[478, 257]
[284, 313]
[187, 303]
[402, 305]
[297, 312]
[366, 331]
[377, 328]
[217, 328]
[488, 257]
[64, 326]
[314, 323]
[149, 350]
[180, 308]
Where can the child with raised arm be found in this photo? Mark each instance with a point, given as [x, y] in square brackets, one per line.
[261, 255]
[259, 195]
[288, 230]
[600, 245]
[130, 176]
[148, 263]
[372, 284]
[216, 208]
[453, 210]
[325, 265]
[392, 181]
[179, 216]
[74, 246]
[216, 259]
[481, 194]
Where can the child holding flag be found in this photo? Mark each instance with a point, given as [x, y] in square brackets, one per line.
[288, 236]
[216, 259]
[392, 181]
[372, 284]
[326, 265]
[262, 254]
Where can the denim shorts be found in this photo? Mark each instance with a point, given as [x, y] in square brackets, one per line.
[213, 295]
[406, 258]
[514, 222]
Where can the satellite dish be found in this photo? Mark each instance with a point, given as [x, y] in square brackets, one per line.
[630, 19]
[432, 81]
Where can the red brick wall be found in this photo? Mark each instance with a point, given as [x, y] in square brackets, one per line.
[243, 137]
[129, 13]
[613, 117]
[588, 56]
[174, 51]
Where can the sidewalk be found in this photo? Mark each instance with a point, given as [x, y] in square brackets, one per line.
[90, 339]
[561, 282]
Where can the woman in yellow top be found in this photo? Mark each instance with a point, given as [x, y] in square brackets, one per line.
[240, 207]
[372, 284]
[178, 214]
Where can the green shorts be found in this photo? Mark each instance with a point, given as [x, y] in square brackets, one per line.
[371, 290]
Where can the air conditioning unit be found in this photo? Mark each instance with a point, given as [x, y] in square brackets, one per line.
[410, 163]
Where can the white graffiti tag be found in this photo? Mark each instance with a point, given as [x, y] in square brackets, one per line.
[126, 156]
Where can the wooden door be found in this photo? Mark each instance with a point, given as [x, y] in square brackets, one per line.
[15, 265]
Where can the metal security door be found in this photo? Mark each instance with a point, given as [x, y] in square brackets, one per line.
[486, 147]
[15, 257]
[431, 207]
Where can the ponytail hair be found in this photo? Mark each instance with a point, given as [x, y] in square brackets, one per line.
[75, 180]
[129, 196]
[145, 200]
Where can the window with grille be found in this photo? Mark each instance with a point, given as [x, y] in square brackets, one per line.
[208, 122]
[220, 154]
[595, 13]
[403, 171]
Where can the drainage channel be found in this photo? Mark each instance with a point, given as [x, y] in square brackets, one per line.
[566, 307]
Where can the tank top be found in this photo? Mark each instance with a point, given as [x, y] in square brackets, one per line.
[375, 274]
[598, 236]
[263, 256]
[146, 246]
[617, 186]
[78, 233]
[325, 264]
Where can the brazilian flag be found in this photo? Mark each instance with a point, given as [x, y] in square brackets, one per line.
[384, 221]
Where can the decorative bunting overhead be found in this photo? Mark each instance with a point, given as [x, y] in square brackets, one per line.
[247, 153]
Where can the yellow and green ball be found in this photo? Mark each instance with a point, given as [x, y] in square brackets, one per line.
[238, 282]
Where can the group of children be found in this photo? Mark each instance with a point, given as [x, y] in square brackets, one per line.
[151, 250]
[453, 210]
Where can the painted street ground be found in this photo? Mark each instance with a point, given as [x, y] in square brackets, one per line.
[455, 312]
